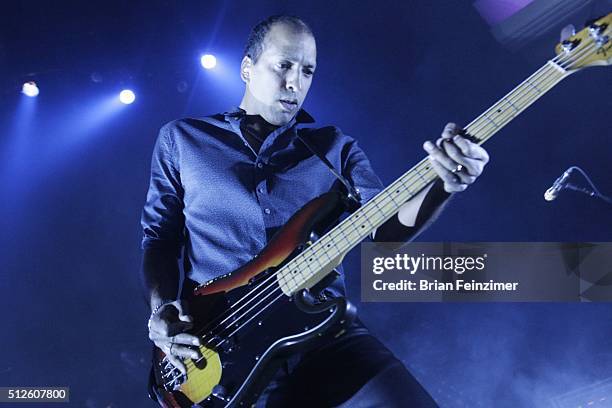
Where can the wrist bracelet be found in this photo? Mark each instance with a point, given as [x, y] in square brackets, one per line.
[154, 312]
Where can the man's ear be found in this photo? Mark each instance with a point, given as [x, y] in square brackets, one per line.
[245, 68]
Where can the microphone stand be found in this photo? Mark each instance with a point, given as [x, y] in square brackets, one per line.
[594, 192]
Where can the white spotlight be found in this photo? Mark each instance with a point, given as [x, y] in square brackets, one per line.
[208, 61]
[30, 89]
[126, 96]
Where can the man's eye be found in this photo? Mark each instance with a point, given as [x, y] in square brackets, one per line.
[285, 65]
[308, 72]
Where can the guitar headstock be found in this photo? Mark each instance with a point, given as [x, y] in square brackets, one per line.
[589, 47]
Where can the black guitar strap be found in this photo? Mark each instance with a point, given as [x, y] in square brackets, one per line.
[353, 193]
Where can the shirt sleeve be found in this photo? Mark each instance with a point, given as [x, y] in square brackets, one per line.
[162, 217]
[358, 170]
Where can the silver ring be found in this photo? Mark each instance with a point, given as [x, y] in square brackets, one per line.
[458, 169]
[170, 349]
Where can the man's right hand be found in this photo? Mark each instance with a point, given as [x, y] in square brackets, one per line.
[167, 327]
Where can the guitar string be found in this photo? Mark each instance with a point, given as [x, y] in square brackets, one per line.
[413, 183]
[279, 271]
[569, 57]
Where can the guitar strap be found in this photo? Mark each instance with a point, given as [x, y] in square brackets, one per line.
[353, 193]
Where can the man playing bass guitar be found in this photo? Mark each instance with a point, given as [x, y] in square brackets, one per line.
[222, 185]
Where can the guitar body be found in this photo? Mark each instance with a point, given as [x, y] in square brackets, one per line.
[249, 327]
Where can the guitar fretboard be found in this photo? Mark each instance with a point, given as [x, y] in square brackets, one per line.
[306, 269]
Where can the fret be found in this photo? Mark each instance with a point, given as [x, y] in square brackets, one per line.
[512, 105]
[333, 241]
[285, 278]
[403, 181]
[557, 67]
[329, 258]
[295, 272]
[360, 228]
[299, 271]
[327, 241]
[350, 227]
[497, 110]
[382, 214]
[420, 175]
[344, 236]
[363, 226]
[308, 257]
[392, 198]
[533, 86]
[491, 120]
[389, 206]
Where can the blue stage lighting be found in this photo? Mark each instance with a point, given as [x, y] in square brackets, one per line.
[208, 61]
[127, 96]
[30, 89]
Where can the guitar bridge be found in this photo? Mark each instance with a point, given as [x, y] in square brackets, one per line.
[171, 376]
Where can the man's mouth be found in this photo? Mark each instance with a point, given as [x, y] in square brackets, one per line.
[288, 104]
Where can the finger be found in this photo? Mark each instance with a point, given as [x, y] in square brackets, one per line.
[164, 328]
[185, 318]
[450, 130]
[175, 361]
[451, 183]
[182, 312]
[177, 328]
[473, 167]
[185, 338]
[158, 328]
[181, 338]
[185, 352]
[440, 155]
[161, 321]
[470, 149]
[154, 336]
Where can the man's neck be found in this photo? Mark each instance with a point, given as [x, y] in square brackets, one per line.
[255, 129]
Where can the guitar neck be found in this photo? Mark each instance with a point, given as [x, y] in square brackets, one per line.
[309, 267]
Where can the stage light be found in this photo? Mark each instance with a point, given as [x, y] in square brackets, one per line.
[208, 61]
[30, 89]
[126, 97]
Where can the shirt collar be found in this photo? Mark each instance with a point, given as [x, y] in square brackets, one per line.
[301, 117]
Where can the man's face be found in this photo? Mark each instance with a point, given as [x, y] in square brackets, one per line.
[277, 84]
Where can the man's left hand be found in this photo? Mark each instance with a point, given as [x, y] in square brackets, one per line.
[457, 160]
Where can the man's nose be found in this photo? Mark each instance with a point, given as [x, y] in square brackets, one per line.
[293, 82]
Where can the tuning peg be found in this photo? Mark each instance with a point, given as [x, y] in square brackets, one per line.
[567, 31]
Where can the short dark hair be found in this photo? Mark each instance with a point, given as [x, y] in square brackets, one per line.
[255, 42]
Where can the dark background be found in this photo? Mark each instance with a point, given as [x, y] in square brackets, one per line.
[74, 170]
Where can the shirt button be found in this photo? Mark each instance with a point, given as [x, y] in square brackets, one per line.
[267, 211]
[259, 165]
[260, 190]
